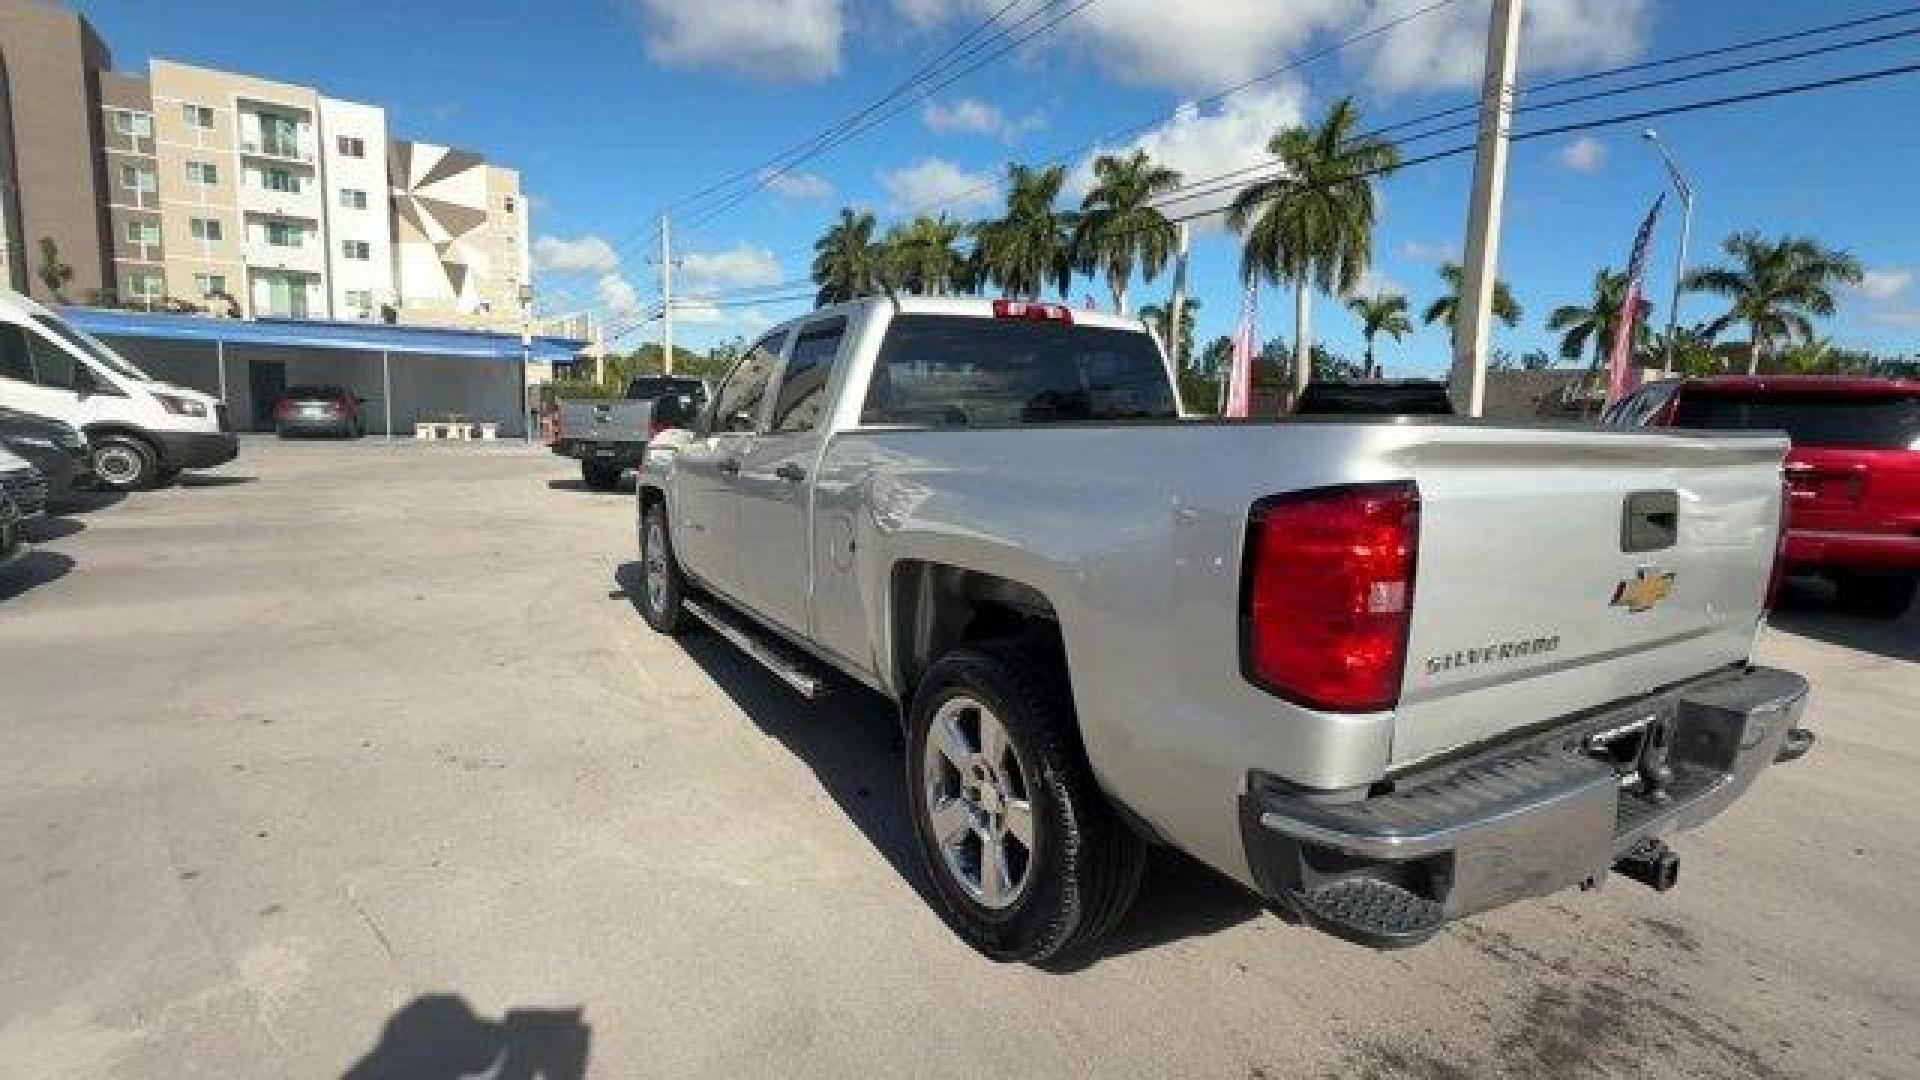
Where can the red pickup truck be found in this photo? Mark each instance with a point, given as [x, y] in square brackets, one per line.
[1854, 470]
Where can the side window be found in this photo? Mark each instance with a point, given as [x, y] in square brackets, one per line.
[15, 361]
[803, 389]
[52, 365]
[739, 404]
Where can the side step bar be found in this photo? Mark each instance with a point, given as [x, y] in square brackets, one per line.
[762, 646]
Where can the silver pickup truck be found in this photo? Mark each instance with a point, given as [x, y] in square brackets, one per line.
[1385, 672]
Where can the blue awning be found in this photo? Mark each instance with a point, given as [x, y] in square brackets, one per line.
[320, 334]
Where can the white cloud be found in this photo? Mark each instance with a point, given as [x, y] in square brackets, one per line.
[1420, 252]
[587, 252]
[973, 116]
[739, 267]
[617, 295]
[935, 185]
[798, 186]
[697, 313]
[1376, 283]
[1201, 143]
[1585, 154]
[1884, 284]
[1904, 318]
[1204, 46]
[776, 40]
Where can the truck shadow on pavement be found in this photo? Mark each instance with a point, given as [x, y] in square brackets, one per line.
[851, 740]
[574, 483]
[1807, 609]
[32, 570]
[438, 1037]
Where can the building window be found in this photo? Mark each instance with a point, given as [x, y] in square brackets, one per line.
[509, 204]
[145, 285]
[134, 125]
[280, 180]
[279, 136]
[202, 172]
[353, 198]
[138, 178]
[285, 234]
[357, 250]
[207, 229]
[208, 284]
[352, 147]
[197, 116]
[360, 302]
[143, 233]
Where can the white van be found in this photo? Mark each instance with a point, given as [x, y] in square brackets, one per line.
[143, 431]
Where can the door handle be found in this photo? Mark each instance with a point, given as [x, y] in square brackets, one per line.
[729, 467]
[791, 473]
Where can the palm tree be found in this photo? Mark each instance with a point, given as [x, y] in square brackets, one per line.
[1384, 313]
[1031, 247]
[1578, 325]
[1313, 223]
[846, 263]
[1119, 226]
[922, 258]
[1157, 316]
[1446, 307]
[1777, 287]
[1692, 350]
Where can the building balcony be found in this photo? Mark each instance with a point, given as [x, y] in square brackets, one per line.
[309, 258]
[273, 150]
[305, 204]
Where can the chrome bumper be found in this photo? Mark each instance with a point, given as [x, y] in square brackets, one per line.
[1550, 811]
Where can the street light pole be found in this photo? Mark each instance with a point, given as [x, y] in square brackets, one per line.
[1685, 189]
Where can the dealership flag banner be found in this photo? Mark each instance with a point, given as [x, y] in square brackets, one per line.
[1621, 357]
[1240, 376]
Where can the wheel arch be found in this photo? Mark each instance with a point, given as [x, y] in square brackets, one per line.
[935, 607]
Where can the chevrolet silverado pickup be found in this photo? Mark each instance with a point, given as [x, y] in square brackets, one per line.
[1384, 671]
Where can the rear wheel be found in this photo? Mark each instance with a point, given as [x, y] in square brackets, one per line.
[1027, 858]
[663, 586]
[124, 463]
[1876, 596]
[600, 475]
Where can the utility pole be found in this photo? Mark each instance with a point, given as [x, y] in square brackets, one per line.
[666, 294]
[1473, 323]
[1179, 307]
[1685, 189]
[526, 362]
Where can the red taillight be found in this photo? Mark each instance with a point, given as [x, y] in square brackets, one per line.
[1779, 575]
[655, 428]
[1025, 309]
[281, 408]
[1329, 595]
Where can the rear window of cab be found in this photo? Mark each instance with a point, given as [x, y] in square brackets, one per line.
[1812, 419]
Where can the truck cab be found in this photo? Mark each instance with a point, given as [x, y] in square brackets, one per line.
[141, 431]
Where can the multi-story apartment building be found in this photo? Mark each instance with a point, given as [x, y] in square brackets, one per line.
[460, 236]
[54, 61]
[353, 153]
[233, 192]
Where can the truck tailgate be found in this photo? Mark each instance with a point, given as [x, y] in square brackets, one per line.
[1561, 570]
[605, 421]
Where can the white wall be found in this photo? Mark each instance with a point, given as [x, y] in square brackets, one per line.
[373, 225]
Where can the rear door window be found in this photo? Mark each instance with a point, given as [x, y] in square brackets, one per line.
[16, 362]
[1810, 419]
[956, 371]
[738, 408]
[803, 388]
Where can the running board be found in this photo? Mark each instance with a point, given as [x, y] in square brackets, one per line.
[760, 645]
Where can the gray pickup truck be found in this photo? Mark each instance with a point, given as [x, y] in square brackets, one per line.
[610, 436]
[1385, 672]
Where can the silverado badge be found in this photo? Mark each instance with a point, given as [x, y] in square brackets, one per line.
[1645, 590]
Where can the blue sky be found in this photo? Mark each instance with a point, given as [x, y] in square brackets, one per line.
[613, 109]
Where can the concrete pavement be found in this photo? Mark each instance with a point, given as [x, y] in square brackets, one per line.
[352, 757]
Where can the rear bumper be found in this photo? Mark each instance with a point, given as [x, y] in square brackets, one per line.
[315, 425]
[624, 454]
[1528, 818]
[196, 449]
[1812, 551]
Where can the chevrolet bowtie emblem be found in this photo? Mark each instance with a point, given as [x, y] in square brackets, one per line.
[1646, 589]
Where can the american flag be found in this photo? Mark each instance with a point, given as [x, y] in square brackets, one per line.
[1621, 356]
[1240, 376]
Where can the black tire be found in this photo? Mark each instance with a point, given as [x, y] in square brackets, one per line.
[124, 463]
[165, 477]
[662, 607]
[600, 475]
[1085, 863]
[1876, 596]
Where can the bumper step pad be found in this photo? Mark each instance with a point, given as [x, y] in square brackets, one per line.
[1371, 912]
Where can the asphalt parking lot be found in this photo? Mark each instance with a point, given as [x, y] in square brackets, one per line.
[352, 756]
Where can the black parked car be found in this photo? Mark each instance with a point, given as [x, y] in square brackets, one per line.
[1376, 397]
[54, 447]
